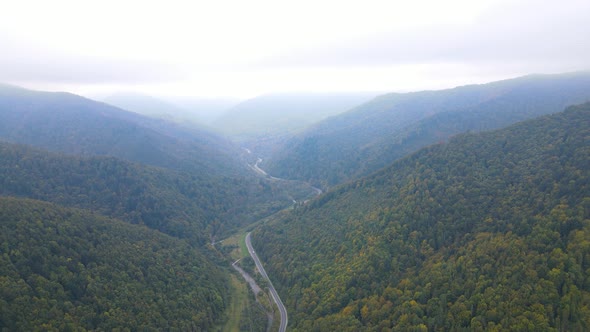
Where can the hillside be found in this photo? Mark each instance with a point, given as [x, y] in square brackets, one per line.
[259, 122]
[70, 270]
[391, 126]
[489, 231]
[182, 204]
[72, 124]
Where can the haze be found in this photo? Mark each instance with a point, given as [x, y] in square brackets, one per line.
[248, 48]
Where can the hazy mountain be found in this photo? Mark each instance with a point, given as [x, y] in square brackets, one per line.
[147, 105]
[490, 231]
[72, 124]
[207, 110]
[188, 111]
[73, 270]
[280, 115]
[390, 126]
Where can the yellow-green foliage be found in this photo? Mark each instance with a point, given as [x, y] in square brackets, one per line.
[490, 231]
[67, 269]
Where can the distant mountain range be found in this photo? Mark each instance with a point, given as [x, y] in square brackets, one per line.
[188, 111]
[72, 124]
[374, 134]
[259, 122]
[206, 110]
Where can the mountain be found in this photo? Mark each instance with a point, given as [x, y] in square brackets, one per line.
[72, 124]
[148, 106]
[490, 231]
[206, 110]
[72, 270]
[391, 126]
[109, 229]
[186, 205]
[266, 118]
[191, 112]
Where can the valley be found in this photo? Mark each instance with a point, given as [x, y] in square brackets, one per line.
[456, 209]
[308, 166]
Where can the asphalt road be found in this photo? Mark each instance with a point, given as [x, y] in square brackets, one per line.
[273, 292]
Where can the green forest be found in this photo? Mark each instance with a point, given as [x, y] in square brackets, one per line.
[490, 231]
[178, 203]
[66, 269]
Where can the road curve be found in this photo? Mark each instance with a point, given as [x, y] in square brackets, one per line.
[273, 292]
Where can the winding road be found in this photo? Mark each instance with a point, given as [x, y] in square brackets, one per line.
[261, 171]
[273, 292]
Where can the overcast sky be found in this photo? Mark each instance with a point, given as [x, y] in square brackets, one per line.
[246, 48]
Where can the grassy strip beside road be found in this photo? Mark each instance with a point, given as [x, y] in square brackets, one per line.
[247, 311]
[243, 247]
[239, 302]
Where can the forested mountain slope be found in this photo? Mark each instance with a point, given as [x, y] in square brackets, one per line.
[181, 204]
[72, 124]
[391, 126]
[69, 270]
[489, 231]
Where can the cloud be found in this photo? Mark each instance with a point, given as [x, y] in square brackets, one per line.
[238, 48]
[23, 62]
[532, 34]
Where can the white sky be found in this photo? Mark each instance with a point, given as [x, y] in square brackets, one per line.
[250, 47]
